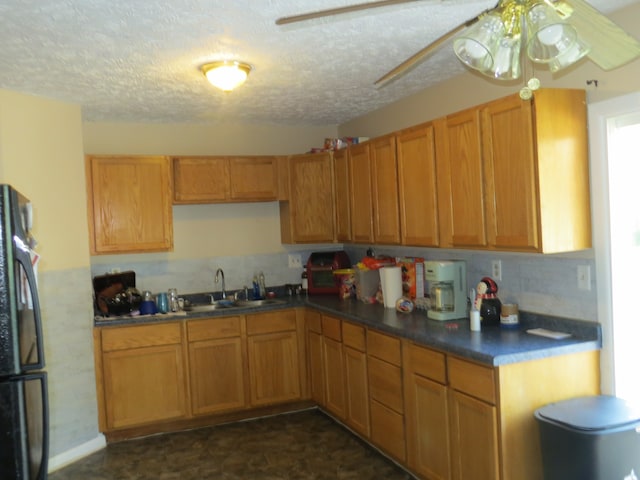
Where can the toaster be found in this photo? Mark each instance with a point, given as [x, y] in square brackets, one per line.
[320, 268]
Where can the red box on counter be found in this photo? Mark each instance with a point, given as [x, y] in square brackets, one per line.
[412, 276]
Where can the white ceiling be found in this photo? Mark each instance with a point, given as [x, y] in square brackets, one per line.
[138, 60]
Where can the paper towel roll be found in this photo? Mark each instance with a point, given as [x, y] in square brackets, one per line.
[391, 282]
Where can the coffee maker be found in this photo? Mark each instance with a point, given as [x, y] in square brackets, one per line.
[448, 289]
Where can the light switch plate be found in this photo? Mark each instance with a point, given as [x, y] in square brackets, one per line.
[295, 260]
[584, 277]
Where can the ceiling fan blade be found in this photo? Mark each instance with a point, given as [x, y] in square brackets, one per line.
[416, 58]
[340, 10]
[611, 46]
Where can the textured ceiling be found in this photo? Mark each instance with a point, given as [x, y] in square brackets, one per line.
[138, 60]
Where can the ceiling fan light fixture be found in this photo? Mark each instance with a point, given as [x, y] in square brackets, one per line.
[475, 47]
[549, 37]
[571, 56]
[226, 75]
[506, 64]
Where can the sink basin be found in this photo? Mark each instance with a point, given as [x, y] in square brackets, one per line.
[257, 303]
[207, 307]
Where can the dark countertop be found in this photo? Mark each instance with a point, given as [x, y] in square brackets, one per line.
[493, 346]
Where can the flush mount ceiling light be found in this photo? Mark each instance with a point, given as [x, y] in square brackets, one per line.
[226, 75]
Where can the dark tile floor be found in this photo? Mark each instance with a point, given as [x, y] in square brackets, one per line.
[301, 445]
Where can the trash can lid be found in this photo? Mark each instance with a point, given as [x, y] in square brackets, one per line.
[602, 412]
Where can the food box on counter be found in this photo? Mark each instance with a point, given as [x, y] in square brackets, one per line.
[412, 276]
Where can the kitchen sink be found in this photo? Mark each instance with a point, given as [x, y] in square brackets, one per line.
[257, 303]
[207, 307]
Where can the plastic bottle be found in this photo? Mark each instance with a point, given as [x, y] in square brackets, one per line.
[304, 280]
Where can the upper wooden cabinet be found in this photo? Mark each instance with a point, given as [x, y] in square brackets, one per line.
[537, 172]
[342, 201]
[307, 216]
[129, 204]
[514, 174]
[360, 193]
[225, 179]
[460, 180]
[417, 186]
[384, 185]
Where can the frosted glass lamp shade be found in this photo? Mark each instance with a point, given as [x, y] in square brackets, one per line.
[226, 75]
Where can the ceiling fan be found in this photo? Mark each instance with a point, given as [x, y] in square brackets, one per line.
[557, 33]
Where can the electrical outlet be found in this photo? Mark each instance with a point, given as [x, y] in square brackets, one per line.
[584, 277]
[295, 260]
[496, 270]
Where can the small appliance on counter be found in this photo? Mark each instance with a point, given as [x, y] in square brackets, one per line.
[320, 268]
[448, 289]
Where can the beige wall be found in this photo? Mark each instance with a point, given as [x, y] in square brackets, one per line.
[41, 156]
[471, 89]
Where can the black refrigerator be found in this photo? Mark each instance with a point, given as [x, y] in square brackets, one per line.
[24, 423]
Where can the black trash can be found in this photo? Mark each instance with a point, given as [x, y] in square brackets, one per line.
[590, 438]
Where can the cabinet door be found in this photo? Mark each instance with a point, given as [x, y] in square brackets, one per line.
[217, 375]
[342, 201]
[144, 385]
[357, 398]
[460, 185]
[387, 430]
[510, 175]
[253, 178]
[274, 370]
[417, 186]
[129, 204]
[309, 212]
[316, 374]
[361, 195]
[335, 398]
[200, 179]
[427, 428]
[384, 182]
[474, 438]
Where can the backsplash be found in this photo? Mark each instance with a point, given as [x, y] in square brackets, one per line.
[545, 284]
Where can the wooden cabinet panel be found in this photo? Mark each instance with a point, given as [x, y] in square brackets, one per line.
[417, 184]
[129, 204]
[135, 336]
[384, 183]
[357, 401]
[269, 322]
[473, 379]
[213, 179]
[341, 177]
[200, 179]
[334, 386]
[427, 363]
[308, 215]
[144, 385]
[460, 182]
[274, 368]
[354, 336]
[253, 178]
[316, 369]
[474, 438]
[331, 328]
[361, 193]
[384, 347]
[217, 375]
[385, 384]
[210, 328]
[427, 428]
[387, 430]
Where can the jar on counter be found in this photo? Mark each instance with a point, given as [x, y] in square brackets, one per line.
[509, 315]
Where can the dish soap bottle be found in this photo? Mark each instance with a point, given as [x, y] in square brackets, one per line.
[304, 280]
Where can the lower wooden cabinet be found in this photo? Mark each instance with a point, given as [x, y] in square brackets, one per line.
[356, 379]
[217, 359]
[335, 395]
[315, 362]
[143, 376]
[274, 368]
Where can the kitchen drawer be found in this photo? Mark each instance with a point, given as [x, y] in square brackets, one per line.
[472, 379]
[384, 347]
[123, 338]
[387, 430]
[314, 320]
[428, 363]
[331, 328]
[210, 328]
[353, 336]
[385, 384]
[270, 322]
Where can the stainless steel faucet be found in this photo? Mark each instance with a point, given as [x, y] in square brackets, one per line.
[220, 273]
